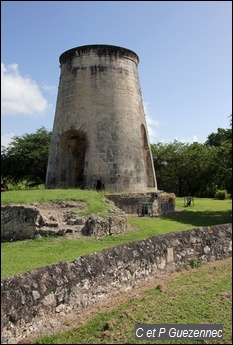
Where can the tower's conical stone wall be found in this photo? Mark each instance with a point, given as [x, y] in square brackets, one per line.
[100, 136]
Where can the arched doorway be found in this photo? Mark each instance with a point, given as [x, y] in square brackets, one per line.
[72, 158]
[147, 158]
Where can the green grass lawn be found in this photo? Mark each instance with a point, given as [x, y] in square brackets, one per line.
[92, 198]
[200, 295]
[21, 256]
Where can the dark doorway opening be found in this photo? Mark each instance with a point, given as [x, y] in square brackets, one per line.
[99, 185]
[72, 159]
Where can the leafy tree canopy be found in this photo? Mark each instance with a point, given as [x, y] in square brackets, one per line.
[195, 169]
[25, 159]
[217, 139]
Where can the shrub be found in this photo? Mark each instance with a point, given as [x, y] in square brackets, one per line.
[195, 264]
[221, 194]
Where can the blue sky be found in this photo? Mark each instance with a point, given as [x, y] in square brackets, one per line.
[184, 47]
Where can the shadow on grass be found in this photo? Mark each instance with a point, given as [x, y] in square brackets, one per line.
[201, 218]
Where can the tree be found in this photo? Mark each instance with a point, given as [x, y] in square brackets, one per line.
[189, 169]
[200, 167]
[222, 140]
[26, 158]
[169, 166]
[216, 139]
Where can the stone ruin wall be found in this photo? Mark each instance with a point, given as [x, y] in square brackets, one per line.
[28, 299]
[162, 203]
[19, 222]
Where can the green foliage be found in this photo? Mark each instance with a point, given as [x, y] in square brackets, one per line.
[185, 169]
[25, 159]
[24, 185]
[216, 139]
[222, 140]
[221, 194]
[195, 264]
[195, 169]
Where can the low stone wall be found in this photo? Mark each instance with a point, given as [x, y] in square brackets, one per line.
[27, 299]
[166, 203]
[20, 222]
[162, 203]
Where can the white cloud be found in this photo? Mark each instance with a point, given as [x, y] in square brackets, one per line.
[49, 88]
[151, 130]
[180, 140]
[151, 124]
[187, 140]
[6, 139]
[20, 94]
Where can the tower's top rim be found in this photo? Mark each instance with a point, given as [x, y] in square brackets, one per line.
[100, 50]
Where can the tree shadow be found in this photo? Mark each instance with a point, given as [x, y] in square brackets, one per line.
[200, 218]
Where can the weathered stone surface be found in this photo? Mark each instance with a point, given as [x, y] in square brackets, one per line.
[162, 203]
[166, 203]
[18, 222]
[27, 299]
[98, 227]
[100, 137]
[21, 222]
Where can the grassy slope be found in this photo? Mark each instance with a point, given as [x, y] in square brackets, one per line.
[18, 257]
[204, 296]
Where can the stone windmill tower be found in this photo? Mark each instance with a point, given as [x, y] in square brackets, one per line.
[100, 135]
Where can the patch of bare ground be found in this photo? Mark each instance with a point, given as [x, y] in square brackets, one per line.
[56, 209]
[62, 323]
[61, 218]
